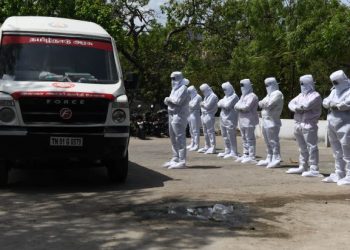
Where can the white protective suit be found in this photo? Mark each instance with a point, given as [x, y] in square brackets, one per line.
[194, 118]
[272, 106]
[248, 118]
[228, 121]
[307, 107]
[338, 103]
[209, 106]
[177, 104]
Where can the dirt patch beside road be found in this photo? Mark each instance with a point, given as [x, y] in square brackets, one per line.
[75, 209]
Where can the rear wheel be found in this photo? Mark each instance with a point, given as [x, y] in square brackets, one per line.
[118, 169]
[4, 171]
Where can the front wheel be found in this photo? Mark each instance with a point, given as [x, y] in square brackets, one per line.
[118, 169]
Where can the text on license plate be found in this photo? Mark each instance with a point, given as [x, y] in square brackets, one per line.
[66, 141]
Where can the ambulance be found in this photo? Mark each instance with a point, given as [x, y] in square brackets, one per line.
[62, 96]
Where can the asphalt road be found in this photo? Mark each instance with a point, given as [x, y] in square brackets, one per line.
[79, 209]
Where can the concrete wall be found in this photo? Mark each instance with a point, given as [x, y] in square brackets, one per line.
[287, 129]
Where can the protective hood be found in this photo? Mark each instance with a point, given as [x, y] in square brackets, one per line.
[228, 89]
[177, 80]
[246, 86]
[206, 89]
[192, 91]
[307, 84]
[340, 81]
[271, 85]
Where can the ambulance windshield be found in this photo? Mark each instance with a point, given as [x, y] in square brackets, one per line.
[32, 58]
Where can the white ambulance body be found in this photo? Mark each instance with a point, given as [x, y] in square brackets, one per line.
[62, 95]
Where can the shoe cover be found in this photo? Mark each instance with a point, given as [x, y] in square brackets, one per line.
[265, 162]
[248, 160]
[210, 150]
[226, 152]
[202, 150]
[262, 163]
[344, 181]
[194, 148]
[231, 155]
[298, 170]
[221, 154]
[178, 165]
[239, 159]
[311, 173]
[189, 146]
[169, 163]
[332, 178]
[274, 164]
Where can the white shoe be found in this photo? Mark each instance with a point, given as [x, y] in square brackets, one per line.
[194, 148]
[263, 163]
[202, 150]
[311, 173]
[189, 146]
[344, 181]
[178, 165]
[332, 178]
[239, 159]
[274, 164]
[298, 170]
[221, 154]
[231, 155]
[248, 160]
[210, 150]
[169, 163]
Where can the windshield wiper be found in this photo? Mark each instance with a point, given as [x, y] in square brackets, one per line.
[48, 76]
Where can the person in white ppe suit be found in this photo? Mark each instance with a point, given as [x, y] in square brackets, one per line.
[338, 103]
[209, 106]
[272, 106]
[178, 112]
[228, 121]
[194, 118]
[307, 107]
[248, 118]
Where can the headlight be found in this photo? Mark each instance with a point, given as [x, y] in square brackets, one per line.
[119, 116]
[7, 115]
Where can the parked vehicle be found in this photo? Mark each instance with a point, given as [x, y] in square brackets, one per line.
[62, 95]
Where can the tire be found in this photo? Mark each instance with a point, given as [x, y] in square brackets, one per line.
[4, 173]
[141, 134]
[118, 169]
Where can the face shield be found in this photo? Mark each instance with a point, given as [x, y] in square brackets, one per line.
[271, 85]
[307, 84]
[228, 89]
[176, 78]
[205, 89]
[340, 81]
[192, 91]
[246, 86]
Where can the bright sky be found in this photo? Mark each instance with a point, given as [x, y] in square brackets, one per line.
[154, 4]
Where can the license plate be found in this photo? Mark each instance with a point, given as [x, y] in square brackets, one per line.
[66, 141]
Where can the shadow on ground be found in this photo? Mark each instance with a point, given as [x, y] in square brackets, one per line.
[80, 179]
[115, 220]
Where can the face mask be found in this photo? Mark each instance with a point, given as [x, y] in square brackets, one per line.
[271, 87]
[173, 84]
[245, 89]
[206, 92]
[227, 93]
[305, 88]
[193, 94]
[340, 86]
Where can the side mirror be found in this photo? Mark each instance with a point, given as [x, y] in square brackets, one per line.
[131, 80]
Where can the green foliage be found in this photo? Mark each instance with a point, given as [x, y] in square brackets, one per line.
[215, 41]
